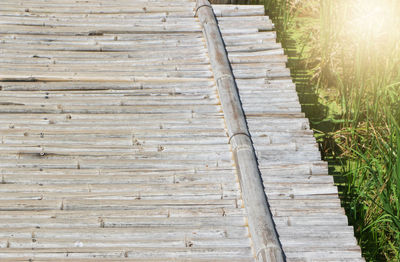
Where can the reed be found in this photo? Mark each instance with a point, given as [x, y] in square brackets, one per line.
[345, 60]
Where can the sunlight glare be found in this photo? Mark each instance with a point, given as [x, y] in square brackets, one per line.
[370, 18]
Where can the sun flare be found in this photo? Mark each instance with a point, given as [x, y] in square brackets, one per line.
[370, 18]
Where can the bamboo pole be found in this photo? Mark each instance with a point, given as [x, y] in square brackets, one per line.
[261, 225]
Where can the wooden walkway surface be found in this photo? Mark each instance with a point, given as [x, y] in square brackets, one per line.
[114, 145]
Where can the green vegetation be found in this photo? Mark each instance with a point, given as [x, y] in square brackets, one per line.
[345, 59]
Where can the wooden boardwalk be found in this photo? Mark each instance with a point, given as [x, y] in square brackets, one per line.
[117, 142]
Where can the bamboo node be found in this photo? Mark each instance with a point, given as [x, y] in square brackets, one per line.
[200, 6]
[238, 133]
[262, 253]
[224, 76]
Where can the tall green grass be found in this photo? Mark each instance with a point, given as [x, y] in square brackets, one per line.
[345, 60]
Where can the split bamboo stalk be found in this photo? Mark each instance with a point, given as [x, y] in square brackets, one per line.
[261, 225]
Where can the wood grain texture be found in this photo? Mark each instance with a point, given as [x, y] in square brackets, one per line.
[262, 228]
[113, 146]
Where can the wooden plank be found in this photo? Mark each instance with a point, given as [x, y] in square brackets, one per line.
[238, 10]
[144, 253]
